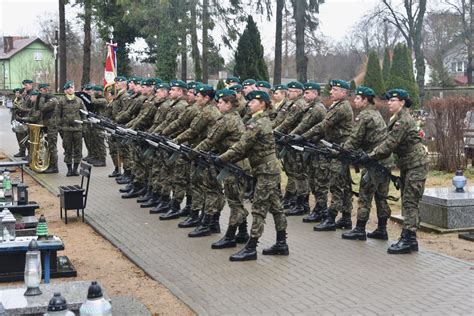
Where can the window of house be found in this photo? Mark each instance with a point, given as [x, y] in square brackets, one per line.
[460, 66]
[38, 56]
[453, 67]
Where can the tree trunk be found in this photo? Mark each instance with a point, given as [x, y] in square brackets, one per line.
[194, 43]
[278, 42]
[205, 40]
[62, 44]
[469, 43]
[301, 61]
[184, 59]
[86, 60]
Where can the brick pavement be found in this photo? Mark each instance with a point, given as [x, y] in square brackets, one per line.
[323, 274]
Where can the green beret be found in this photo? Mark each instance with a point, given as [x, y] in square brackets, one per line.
[87, 86]
[135, 80]
[295, 85]
[224, 93]
[148, 82]
[192, 85]
[264, 84]
[248, 82]
[68, 84]
[16, 90]
[27, 81]
[236, 87]
[364, 91]
[120, 78]
[162, 85]
[340, 83]
[98, 88]
[312, 86]
[179, 84]
[258, 94]
[158, 80]
[280, 87]
[205, 90]
[43, 85]
[397, 93]
[230, 80]
[35, 92]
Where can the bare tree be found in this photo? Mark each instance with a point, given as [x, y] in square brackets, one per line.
[86, 58]
[62, 43]
[278, 42]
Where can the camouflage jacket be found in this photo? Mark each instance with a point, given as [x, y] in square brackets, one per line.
[144, 119]
[131, 108]
[404, 141]
[279, 112]
[175, 109]
[68, 112]
[183, 121]
[117, 105]
[336, 125]
[314, 113]
[296, 110]
[257, 144]
[200, 125]
[242, 106]
[162, 107]
[48, 106]
[99, 104]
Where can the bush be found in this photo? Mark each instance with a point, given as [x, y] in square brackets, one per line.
[445, 125]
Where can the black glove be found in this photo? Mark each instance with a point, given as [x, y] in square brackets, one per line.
[363, 158]
[297, 139]
[281, 141]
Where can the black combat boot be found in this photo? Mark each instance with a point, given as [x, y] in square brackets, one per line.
[188, 207]
[203, 229]
[288, 199]
[51, 169]
[345, 222]
[138, 189]
[298, 209]
[327, 225]
[19, 154]
[69, 170]
[280, 247]
[98, 163]
[242, 236]
[129, 187]
[215, 226]
[406, 244]
[146, 196]
[173, 212]
[152, 202]
[381, 231]
[249, 252]
[191, 221]
[228, 241]
[114, 173]
[75, 173]
[358, 233]
[316, 215]
[125, 178]
[163, 206]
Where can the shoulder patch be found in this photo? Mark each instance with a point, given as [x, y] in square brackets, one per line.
[397, 125]
[250, 126]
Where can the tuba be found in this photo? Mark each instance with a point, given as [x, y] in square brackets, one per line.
[39, 152]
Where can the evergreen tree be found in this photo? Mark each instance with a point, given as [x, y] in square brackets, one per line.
[353, 85]
[386, 65]
[249, 61]
[401, 73]
[220, 85]
[373, 74]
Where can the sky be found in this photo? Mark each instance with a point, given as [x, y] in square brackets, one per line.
[337, 17]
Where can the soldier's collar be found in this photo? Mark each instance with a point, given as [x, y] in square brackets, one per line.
[258, 113]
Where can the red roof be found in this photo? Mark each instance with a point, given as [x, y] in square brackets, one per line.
[18, 45]
[460, 79]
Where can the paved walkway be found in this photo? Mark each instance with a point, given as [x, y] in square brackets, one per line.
[323, 274]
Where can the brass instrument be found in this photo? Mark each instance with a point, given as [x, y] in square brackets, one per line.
[39, 153]
[110, 92]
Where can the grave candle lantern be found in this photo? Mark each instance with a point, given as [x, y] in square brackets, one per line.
[33, 269]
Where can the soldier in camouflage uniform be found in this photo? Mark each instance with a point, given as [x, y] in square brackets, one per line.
[177, 106]
[22, 108]
[405, 142]
[315, 167]
[248, 86]
[241, 102]
[228, 130]
[113, 108]
[336, 128]
[210, 189]
[97, 139]
[49, 117]
[369, 131]
[87, 127]
[18, 104]
[281, 104]
[258, 145]
[68, 114]
[231, 81]
[292, 161]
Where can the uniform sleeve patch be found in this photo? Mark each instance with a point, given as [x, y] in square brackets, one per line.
[397, 125]
[357, 119]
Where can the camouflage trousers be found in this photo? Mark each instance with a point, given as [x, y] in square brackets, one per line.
[289, 164]
[181, 178]
[340, 187]
[301, 174]
[214, 200]
[123, 151]
[52, 146]
[113, 151]
[87, 135]
[234, 193]
[72, 144]
[267, 199]
[20, 137]
[318, 175]
[161, 173]
[373, 186]
[138, 166]
[98, 144]
[413, 186]
[197, 187]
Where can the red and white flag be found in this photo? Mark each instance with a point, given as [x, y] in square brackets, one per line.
[110, 64]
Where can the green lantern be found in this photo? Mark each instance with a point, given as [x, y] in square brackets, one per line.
[42, 228]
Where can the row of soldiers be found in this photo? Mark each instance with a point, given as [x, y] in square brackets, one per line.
[238, 124]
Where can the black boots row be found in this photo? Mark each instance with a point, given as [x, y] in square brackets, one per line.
[249, 252]
[300, 207]
[72, 170]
